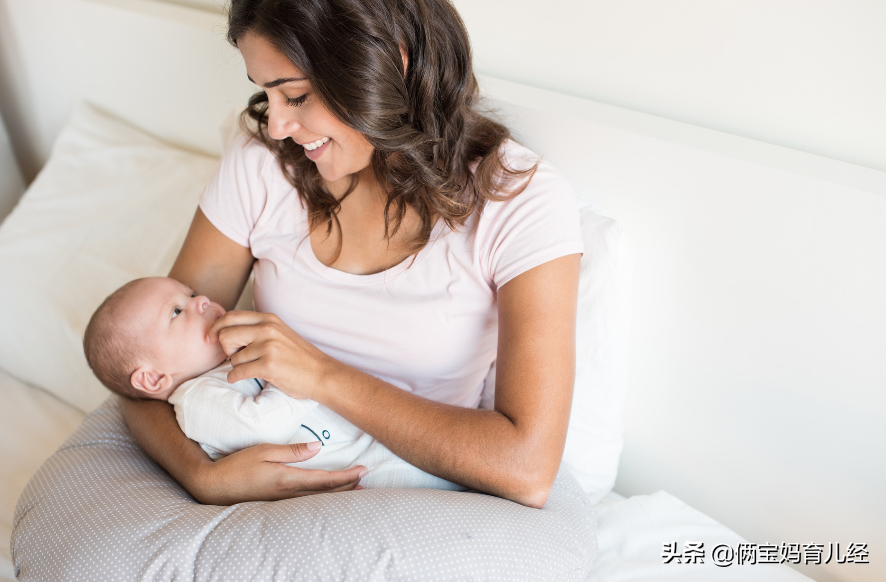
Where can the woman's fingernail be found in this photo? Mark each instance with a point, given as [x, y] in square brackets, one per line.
[363, 473]
[358, 488]
[314, 446]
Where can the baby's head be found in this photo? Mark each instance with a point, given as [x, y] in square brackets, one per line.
[151, 335]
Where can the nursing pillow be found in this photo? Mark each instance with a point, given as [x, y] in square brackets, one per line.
[100, 509]
[113, 204]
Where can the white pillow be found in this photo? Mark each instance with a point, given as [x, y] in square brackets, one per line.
[595, 439]
[112, 204]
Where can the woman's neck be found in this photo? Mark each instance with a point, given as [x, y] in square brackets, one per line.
[361, 230]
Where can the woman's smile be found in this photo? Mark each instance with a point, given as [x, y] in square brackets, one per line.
[314, 151]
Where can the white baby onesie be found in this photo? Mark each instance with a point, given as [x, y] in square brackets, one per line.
[225, 418]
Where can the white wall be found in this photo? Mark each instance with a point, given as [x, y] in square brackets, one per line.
[42, 75]
[806, 74]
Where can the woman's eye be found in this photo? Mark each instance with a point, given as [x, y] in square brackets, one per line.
[297, 101]
[176, 311]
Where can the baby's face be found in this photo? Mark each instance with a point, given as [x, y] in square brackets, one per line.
[173, 324]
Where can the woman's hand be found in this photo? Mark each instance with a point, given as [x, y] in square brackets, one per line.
[258, 474]
[260, 345]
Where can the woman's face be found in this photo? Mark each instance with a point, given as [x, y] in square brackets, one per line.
[295, 111]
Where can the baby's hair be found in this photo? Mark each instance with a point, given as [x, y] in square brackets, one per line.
[111, 349]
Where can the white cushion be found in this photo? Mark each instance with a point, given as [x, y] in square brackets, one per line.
[112, 204]
[594, 442]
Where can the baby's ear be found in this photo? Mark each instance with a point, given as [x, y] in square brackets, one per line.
[150, 381]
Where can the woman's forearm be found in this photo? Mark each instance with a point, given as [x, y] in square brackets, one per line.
[154, 426]
[481, 449]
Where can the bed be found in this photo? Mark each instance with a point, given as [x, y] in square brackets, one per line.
[632, 531]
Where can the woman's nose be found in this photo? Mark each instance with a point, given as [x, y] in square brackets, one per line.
[281, 121]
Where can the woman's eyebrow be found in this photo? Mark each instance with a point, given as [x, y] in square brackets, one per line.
[276, 82]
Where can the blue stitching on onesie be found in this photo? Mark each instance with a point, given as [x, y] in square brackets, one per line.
[322, 444]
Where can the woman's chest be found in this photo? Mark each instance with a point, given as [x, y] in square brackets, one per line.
[359, 241]
[419, 324]
[360, 248]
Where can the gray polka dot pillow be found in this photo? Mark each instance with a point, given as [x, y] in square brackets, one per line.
[100, 509]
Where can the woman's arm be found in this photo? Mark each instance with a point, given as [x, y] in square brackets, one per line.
[513, 452]
[213, 265]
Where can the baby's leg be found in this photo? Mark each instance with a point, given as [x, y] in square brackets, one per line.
[345, 446]
[387, 470]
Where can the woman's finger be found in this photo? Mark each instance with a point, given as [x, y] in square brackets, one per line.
[235, 318]
[319, 480]
[253, 369]
[295, 453]
[250, 353]
[234, 339]
[323, 483]
[355, 486]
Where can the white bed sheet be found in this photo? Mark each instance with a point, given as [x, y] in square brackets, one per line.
[631, 531]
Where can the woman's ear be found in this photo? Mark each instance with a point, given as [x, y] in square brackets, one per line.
[150, 381]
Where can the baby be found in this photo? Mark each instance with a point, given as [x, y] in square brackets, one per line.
[150, 339]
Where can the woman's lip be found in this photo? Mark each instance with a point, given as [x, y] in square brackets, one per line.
[314, 154]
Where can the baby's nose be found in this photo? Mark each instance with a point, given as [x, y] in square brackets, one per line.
[202, 303]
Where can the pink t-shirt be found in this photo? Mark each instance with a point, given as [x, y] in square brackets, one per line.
[428, 326]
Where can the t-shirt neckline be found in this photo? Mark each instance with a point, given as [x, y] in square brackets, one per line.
[354, 279]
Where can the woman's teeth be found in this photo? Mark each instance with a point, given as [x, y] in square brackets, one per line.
[315, 144]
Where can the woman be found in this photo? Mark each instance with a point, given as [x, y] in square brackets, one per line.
[419, 247]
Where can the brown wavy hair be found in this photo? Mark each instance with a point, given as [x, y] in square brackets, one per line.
[423, 122]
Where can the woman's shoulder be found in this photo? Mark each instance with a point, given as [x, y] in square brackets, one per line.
[252, 170]
[545, 186]
[248, 182]
[247, 151]
[537, 224]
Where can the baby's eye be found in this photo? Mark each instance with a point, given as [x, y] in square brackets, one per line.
[176, 311]
[193, 294]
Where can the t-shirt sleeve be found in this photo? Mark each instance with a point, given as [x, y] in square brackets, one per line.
[536, 226]
[238, 192]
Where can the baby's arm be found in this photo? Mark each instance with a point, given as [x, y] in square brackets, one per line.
[225, 420]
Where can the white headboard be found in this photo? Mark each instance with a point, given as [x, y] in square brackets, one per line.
[759, 328]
